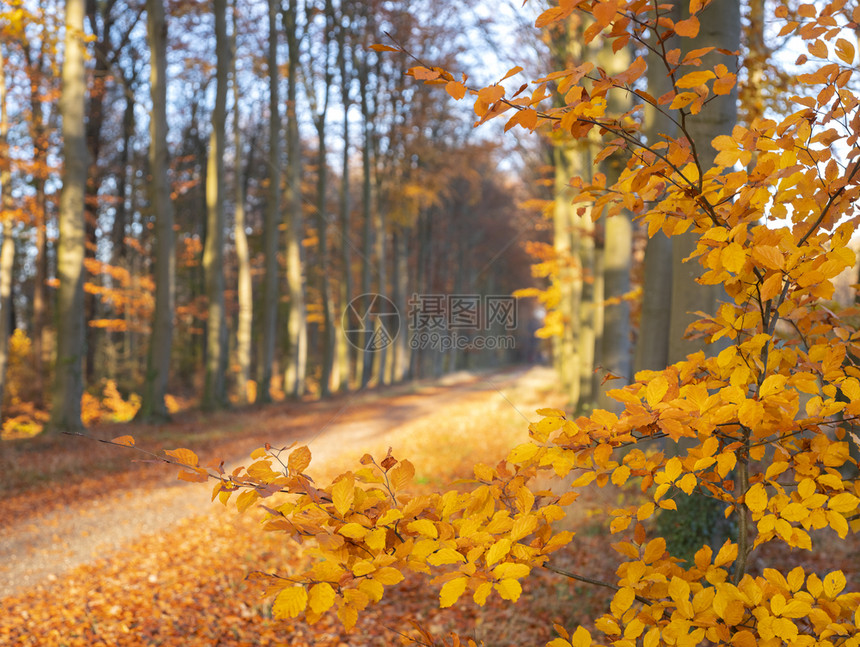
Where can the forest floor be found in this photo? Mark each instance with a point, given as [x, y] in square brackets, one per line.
[98, 550]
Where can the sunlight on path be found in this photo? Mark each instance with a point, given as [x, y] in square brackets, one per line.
[36, 551]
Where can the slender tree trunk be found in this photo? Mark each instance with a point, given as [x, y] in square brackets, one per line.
[272, 217]
[652, 344]
[214, 389]
[367, 242]
[296, 371]
[568, 278]
[720, 27]
[161, 339]
[35, 65]
[615, 345]
[345, 354]
[401, 286]
[7, 248]
[68, 374]
[322, 234]
[244, 288]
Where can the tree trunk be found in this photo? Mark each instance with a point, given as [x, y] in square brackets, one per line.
[244, 287]
[652, 344]
[272, 218]
[7, 249]
[345, 354]
[367, 244]
[720, 27]
[214, 389]
[296, 371]
[615, 344]
[35, 65]
[68, 374]
[161, 339]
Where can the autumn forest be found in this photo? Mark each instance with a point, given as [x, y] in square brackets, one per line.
[539, 323]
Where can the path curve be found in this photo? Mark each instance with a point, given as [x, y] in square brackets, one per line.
[38, 550]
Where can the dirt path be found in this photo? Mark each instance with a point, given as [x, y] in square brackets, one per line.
[36, 551]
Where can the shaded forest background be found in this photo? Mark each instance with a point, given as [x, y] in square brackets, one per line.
[193, 193]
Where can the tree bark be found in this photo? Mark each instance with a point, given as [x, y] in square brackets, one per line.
[244, 287]
[272, 217]
[161, 339]
[214, 389]
[7, 248]
[296, 370]
[720, 27]
[652, 344]
[68, 374]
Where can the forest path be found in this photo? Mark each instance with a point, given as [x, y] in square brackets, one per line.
[38, 548]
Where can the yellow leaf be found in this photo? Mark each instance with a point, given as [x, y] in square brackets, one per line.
[387, 575]
[522, 527]
[498, 550]
[246, 499]
[363, 567]
[290, 602]
[299, 460]
[620, 475]
[510, 570]
[655, 390]
[402, 475]
[376, 539]
[451, 591]
[343, 494]
[733, 257]
[509, 589]
[353, 530]
[581, 637]
[321, 597]
[128, 441]
[843, 502]
[424, 527]
[522, 453]
[768, 256]
[834, 583]
[687, 483]
[373, 589]
[445, 556]
[622, 600]
[482, 593]
[695, 79]
[756, 498]
[348, 616]
[654, 550]
[726, 463]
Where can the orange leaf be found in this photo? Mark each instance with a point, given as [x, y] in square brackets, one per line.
[725, 84]
[423, 74]
[605, 11]
[845, 50]
[695, 79]
[455, 89]
[184, 456]
[128, 441]
[376, 47]
[688, 28]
